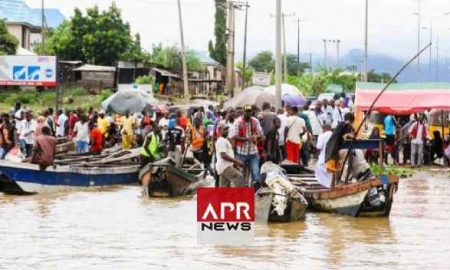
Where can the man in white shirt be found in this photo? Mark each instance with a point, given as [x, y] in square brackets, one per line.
[322, 175]
[328, 110]
[283, 118]
[61, 125]
[229, 176]
[26, 135]
[295, 128]
[81, 130]
[418, 132]
[338, 116]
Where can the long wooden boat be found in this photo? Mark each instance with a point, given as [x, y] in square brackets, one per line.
[372, 197]
[366, 198]
[117, 168]
[164, 179]
[31, 179]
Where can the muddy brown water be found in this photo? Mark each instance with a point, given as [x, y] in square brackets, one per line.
[117, 228]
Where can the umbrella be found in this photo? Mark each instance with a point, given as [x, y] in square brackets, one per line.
[131, 101]
[160, 109]
[290, 94]
[250, 96]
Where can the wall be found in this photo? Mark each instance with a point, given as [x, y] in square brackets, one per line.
[16, 30]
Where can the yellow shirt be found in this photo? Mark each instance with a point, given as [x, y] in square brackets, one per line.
[128, 125]
[103, 125]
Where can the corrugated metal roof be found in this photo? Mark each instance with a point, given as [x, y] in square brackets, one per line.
[204, 58]
[19, 12]
[95, 68]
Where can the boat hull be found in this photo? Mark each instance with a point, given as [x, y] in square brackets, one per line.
[33, 180]
[264, 210]
[347, 205]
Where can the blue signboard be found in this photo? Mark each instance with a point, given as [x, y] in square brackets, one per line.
[19, 73]
[33, 73]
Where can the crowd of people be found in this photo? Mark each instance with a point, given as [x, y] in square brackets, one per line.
[231, 144]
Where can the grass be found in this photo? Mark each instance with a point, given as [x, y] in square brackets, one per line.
[71, 98]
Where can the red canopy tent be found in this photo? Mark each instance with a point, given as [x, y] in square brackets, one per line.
[403, 98]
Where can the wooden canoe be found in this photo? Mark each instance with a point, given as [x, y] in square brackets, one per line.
[353, 199]
[164, 179]
[265, 212]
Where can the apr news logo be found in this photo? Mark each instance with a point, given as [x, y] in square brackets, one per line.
[225, 216]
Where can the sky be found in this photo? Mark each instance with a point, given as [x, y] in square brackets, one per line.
[392, 24]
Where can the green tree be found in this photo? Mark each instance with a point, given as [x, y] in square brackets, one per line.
[384, 77]
[218, 49]
[247, 73]
[135, 53]
[292, 65]
[8, 42]
[263, 62]
[98, 37]
[170, 58]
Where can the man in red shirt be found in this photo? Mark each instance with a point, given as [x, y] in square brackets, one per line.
[96, 139]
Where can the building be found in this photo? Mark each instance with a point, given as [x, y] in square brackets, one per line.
[25, 23]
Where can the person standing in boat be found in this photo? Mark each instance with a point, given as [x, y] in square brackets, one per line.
[44, 149]
[81, 132]
[27, 129]
[128, 123]
[360, 169]
[322, 175]
[151, 150]
[226, 161]
[247, 131]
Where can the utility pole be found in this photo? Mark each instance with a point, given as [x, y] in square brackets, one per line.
[278, 54]
[325, 52]
[284, 45]
[298, 46]
[284, 51]
[431, 40]
[418, 40]
[229, 82]
[43, 23]
[437, 56]
[338, 41]
[366, 43]
[183, 54]
[310, 63]
[244, 60]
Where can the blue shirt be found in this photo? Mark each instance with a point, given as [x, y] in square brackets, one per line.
[389, 125]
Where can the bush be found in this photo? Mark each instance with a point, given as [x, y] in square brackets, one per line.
[106, 93]
[144, 80]
[76, 92]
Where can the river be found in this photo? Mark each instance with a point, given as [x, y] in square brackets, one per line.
[117, 228]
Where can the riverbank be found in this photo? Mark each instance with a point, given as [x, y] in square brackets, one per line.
[70, 99]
